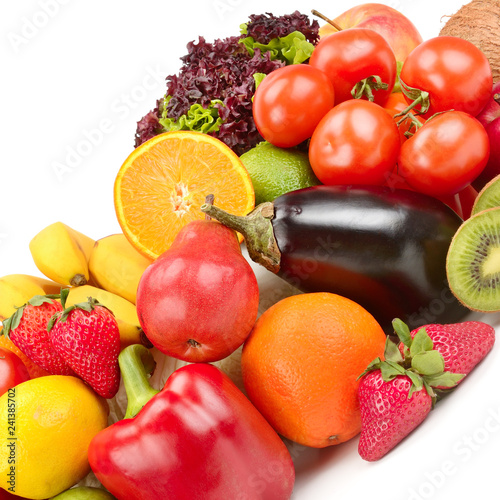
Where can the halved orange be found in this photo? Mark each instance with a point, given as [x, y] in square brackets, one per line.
[163, 183]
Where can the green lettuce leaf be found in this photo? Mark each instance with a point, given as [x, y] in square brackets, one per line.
[197, 118]
[291, 49]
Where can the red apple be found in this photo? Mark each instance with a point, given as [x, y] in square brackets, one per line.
[399, 32]
[492, 168]
[492, 109]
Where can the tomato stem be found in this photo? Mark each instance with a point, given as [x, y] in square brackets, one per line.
[416, 102]
[329, 21]
[365, 87]
[415, 124]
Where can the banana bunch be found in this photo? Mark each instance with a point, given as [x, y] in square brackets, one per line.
[108, 269]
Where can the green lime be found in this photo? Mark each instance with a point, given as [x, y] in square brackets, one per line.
[275, 171]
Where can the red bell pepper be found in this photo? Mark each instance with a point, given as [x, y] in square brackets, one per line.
[198, 438]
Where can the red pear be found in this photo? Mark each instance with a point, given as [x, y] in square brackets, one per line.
[199, 300]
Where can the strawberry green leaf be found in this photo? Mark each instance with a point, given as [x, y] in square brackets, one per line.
[428, 363]
[374, 365]
[86, 306]
[13, 321]
[402, 331]
[421, 342]
[417, 383]
[391, 370]
[430, 391]
[445, 379]
[392, 352]
[52, 321]
[38, 300]
[64, 296]
[65, 314]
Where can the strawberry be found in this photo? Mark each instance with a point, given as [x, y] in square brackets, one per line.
[463, 345]
[86, 336]
[396, 394]
[27, 328]
[388, 413]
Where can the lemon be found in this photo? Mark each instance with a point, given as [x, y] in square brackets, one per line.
[46, 427]
[275, 171]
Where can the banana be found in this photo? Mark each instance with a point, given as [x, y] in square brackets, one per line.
[62, 254]
[116, 266]
[124, 311]
[17, 289]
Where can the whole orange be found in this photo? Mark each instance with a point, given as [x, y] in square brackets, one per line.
[301, 362]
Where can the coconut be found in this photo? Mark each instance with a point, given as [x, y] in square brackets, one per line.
[479, 23]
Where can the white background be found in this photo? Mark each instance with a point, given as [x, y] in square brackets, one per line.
[92, 64]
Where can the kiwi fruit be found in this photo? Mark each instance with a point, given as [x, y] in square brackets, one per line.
[473, 262]
[488, 197]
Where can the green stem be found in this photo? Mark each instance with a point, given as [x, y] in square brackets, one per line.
[415, 124]
[405, 111]
[256, 228]
[365, 87]
[136, 365]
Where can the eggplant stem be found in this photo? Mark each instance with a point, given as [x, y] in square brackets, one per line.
[256, 228]
[209, 199]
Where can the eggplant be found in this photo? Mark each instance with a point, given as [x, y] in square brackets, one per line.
[380, 247]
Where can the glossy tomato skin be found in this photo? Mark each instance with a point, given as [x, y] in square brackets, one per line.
[455, 73]
[357, 142]
[352, 55]
[445, 155]
[290, 102]
[12, 370]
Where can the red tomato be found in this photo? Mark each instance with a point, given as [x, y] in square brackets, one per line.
[351, 55]
[12, 370]
[357, 142]
[445, 155]
[455, 73]
[290, 102]
[396, 101]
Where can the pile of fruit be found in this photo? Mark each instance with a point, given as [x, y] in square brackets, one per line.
[362, 174]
